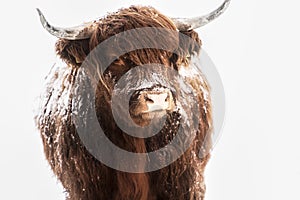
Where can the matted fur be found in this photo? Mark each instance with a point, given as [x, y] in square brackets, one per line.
[83, 176]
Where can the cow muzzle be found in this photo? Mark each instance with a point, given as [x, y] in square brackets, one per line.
[148, 104]
[157, 101]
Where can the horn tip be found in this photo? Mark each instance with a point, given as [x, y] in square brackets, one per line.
[42, 17]
[39, 12]
[226, 3]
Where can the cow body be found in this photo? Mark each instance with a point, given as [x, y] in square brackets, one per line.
[81, 174]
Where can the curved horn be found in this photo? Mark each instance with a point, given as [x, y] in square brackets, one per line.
[186, 24]
[73, 33]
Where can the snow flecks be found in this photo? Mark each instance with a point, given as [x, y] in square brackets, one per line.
[183, 113]
[193, 70]
[188, 71]
[58, 91]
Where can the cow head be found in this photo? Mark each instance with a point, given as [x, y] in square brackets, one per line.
[76, 43]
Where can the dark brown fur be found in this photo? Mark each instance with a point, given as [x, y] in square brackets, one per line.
[83, 176]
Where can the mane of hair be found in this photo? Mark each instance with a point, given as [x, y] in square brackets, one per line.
[83, 176]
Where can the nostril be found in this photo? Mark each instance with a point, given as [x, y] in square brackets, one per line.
[148, 100]
[167, 99]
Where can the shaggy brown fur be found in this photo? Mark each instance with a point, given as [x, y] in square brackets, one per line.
[83, 176]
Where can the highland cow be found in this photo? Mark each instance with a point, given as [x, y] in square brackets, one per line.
[81, 174]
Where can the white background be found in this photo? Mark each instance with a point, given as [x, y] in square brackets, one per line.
[255, 46]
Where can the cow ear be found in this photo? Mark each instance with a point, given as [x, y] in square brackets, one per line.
[190, 47]
[73, 52]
